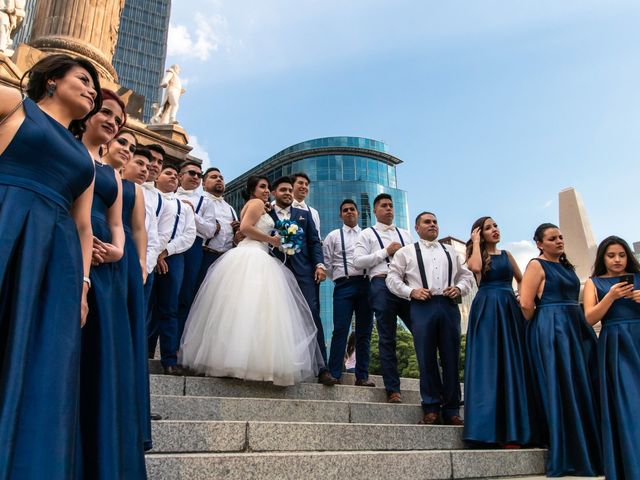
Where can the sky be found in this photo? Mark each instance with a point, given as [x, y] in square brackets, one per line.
[493, 106]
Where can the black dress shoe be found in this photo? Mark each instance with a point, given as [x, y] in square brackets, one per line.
[327, 379]
[155, 416]
[172, 370]
[364, 382]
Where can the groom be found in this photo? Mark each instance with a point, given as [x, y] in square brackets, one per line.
[305, 265]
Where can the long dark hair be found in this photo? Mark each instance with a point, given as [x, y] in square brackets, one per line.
[486, 258]
[351, 344]
[252, 183]
[599, 267]
[53, 67]
[539, 235]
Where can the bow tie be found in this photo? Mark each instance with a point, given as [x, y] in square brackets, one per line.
[297, 204]
[168, 196]
[430, 244]
[283, 211]
[216, 199]
[149, 186]
[182, 191]
[386, 228]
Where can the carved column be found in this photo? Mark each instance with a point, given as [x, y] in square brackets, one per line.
[87, 28]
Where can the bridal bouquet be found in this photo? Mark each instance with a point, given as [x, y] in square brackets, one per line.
[291, 236]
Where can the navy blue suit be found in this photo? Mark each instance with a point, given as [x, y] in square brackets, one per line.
[303, 266]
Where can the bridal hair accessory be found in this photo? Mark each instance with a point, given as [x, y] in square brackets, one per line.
[291, 236]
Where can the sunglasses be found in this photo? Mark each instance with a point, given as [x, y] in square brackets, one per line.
[193, 173]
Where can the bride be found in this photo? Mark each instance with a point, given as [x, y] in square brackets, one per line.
[249, 319]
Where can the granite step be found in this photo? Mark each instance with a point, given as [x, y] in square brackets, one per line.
[347, 378]
[177, 407]
[438, 464]
[232, 387]
[212, 436]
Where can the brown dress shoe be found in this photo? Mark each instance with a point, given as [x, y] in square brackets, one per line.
[172, 370]
[394, 397]
[327, 379]
[364, 382]
[455, 420]
[430, 419]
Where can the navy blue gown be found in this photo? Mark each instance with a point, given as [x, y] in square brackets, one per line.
[137, 312]
[563, 358]
[42, 171]
[112, 443]
[496, 380]
[619, 361]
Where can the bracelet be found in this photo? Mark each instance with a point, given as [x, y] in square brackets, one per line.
[87, 280]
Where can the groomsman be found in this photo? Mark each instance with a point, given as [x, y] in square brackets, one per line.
[307, 265]
[350, 295]
[170, 272]
[432, 276]
[205, 218]
[375, 247]
[158, 220]
[301, 184]
[227, 226]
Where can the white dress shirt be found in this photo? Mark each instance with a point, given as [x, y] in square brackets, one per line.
[224, 214]
[368, 253]
[184, 224]
[158, 222]
[314, 213]
[404, 272]
[332, 249]
[204, 211]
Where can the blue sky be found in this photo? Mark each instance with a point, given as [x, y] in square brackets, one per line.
[493, 106]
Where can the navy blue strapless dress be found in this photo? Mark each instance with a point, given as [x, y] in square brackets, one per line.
[137, 312]
[619, 361]
[112, 443]
[496, 377]
[563, 358]
[42, 171]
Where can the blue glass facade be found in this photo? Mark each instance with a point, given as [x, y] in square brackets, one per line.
[142, 48]
[339, 167]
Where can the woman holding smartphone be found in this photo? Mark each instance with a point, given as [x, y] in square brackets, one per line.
[563, 359]
[612, 296]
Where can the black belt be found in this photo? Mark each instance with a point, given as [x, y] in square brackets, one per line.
[342, 280]
[207, 249]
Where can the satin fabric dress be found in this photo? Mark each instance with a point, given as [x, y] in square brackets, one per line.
[619, 362]
[496, 378]
[137, 312]
[42, 171]
[112, 443]
[563, 357]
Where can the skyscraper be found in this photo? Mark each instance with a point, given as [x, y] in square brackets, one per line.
[142, 48]
[339, 168]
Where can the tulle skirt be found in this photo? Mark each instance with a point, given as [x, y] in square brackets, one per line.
[249, 320]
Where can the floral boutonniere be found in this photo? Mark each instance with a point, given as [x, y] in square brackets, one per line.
[291, 236]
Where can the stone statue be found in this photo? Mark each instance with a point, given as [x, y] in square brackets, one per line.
[171, 100]
[12, 13]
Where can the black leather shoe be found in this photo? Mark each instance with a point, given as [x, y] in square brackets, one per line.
[364, 382]
[155, 416]
[327, 379]
[172, 370]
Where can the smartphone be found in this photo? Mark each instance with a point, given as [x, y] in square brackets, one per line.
[626, 278]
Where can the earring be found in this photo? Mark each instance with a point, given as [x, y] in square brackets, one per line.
[50, 89]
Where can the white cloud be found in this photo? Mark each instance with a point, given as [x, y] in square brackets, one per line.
[199, 152]
[522, 251]
[209, 34]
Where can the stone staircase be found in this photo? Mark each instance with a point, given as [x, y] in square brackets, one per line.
[215, 428]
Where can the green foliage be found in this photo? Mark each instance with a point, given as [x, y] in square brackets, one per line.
[407, 361]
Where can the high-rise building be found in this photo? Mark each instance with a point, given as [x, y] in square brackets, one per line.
[142, 49]
[339, 168]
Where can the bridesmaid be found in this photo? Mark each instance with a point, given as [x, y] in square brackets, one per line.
[112, 441]
[616, 304]
[119, 153]
[562, 355]
[46, 188]
[495, 379]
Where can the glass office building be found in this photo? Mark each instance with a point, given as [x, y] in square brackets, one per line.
[339, 167]
[142, 49]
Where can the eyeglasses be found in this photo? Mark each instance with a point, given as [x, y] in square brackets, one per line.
[193, 173]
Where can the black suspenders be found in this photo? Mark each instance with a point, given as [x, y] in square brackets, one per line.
[199, 203]
[344, 254]
[423, 274]
[375, 232]
[175, 225]
[159, 204]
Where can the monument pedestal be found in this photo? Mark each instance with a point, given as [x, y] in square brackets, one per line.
[172, 131]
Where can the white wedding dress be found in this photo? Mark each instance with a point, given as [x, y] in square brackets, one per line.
[249, 319]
